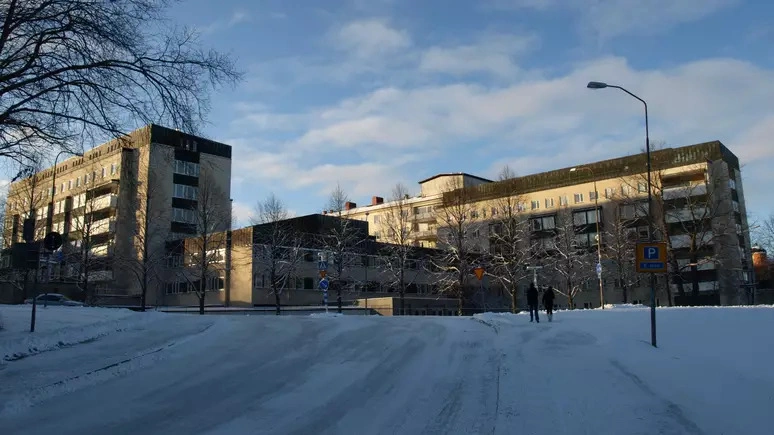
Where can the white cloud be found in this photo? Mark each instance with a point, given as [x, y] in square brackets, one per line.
[535, 124]
[607, 19]
[493, 54]
[370, 38]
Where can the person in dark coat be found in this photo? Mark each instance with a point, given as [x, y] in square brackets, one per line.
[532, 301]
[548, 302]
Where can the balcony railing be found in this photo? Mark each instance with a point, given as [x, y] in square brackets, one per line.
[426, 216]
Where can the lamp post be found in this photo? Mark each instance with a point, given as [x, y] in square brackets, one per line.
[599, 237]
[602, 85]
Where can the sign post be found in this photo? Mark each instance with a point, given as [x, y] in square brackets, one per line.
[322, 266]
[479, 271]
[534, 270]
[651, 258]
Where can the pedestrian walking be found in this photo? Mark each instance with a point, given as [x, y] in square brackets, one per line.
[532, 301]
[548, 302]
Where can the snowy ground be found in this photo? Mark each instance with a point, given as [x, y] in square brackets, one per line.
[588, 372]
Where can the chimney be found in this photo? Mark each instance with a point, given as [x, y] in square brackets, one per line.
[349, 205]
[376, 200]
[325, 212]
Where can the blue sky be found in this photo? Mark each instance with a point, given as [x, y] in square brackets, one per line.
[367, 93]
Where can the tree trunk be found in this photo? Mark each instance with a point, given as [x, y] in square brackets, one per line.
[514, 306]
[402, 294]
[278, 303]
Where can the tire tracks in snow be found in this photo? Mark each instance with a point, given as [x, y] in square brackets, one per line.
[33, 396]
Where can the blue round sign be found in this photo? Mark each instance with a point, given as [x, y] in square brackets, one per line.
[323, 284]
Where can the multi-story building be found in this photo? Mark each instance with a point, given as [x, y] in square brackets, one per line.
[119, 202]
[241, 262]
[699, 210]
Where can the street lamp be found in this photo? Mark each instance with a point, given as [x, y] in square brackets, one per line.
[599, 237]
[602, 85]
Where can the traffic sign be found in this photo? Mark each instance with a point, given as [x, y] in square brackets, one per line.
[322, 265]
[599, 270]
[52, 241]
[323, 284]
[323, 273]
[651, 257]
[479, 271]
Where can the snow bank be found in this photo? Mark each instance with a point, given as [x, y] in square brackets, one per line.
[58, 326]
[329, 314]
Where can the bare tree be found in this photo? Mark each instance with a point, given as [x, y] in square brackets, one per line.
[571, 259]
[510, 249]
[91, 251]
[277, 247]
[621, 239]
[694, 223]
[341, 241]
[398, 255]
[458, 238]
[145, 262]
[204, 251]
[77, 69]
[764, 234]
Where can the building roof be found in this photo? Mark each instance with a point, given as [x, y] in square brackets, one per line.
[445, 174]
[605, 169]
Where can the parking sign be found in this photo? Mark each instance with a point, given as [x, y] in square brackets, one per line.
[651, 257]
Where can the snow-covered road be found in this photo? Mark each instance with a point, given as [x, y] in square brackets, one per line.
[350, 375]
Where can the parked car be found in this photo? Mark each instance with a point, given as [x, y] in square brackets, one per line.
[55, 299]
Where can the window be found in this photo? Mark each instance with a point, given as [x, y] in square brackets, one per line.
[494, 211]
[563, 201]
[112, 169]
[593, 195]
[186, 168]
[186, 192]
[473, 214]
[549, 202]
[578, 197]
[642, 187]
[521, 206]
[78, 182]
[377, 219]
[103, 172]
[183, 215]
[61, 188]
[543, 223]
[535, 204]
[626, 189]
[85, 179]
[609, 191]
[69, 184]
[584, 217]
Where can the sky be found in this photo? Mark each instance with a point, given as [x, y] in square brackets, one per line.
[368, 93]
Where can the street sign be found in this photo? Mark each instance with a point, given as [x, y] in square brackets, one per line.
[479, 271]
[323, 273]
[651, 257]
[322, 265]
[323, 284]
[599, 270]
[52, 241]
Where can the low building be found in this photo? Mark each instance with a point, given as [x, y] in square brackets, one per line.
[241, 263]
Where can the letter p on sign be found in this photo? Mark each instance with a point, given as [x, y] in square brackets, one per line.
[651, 253]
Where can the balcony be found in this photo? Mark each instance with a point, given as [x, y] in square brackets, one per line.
[684, 191]
[103, 226]
[103, 202]
[424, 217]
[687, 215]
[426, 235]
